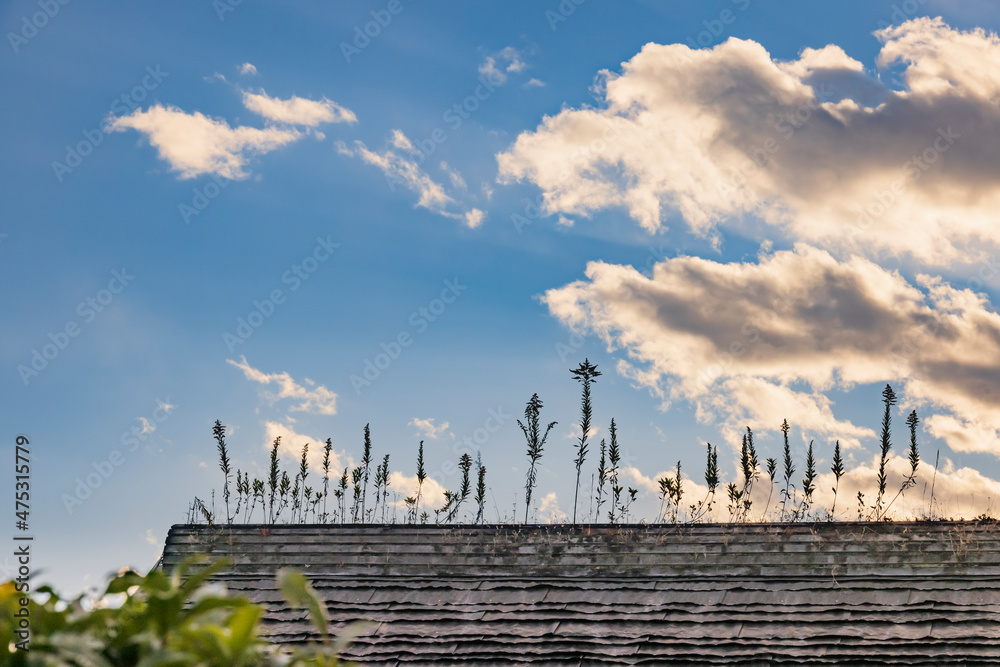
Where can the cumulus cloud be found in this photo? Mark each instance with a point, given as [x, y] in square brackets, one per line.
[428, 429]
[291, 445]
[194, 144]
[816, 146]
[549, 510]
[400, 165]
[247, 68]
[314, 399]
[753, 343]
[297, 110]
[431, 493]
[957, 492]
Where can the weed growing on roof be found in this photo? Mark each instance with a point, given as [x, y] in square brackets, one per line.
[280, 491]
[535, 440]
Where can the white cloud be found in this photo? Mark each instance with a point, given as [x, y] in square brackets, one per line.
[549, 510]
[431, 494]
[489, 70]
[291, 449]
[147, 426]
[150, 538]
[815, 146]
[297, 110]
[405, 170]
[428, 428]
[496, 66]
[958, 492]
[755, 343]
[401, 170]
[194, 144]
[964, 435]
[247, 68]
[574, 433]
[400, 140]
[534, 83]
[456, 178]
[316, 400]
[474, 218]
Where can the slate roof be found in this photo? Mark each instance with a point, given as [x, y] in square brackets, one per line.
[708, 594]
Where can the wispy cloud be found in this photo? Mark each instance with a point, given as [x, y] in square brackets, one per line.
[404, 169]
[315, 399]
[248, 69]
[428, 428]
[297, 110]
[497, 65]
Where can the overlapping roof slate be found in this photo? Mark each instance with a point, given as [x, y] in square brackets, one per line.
[708, 594]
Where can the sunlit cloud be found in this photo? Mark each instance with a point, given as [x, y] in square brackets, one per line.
[497, 66]
[428, 429]
[315, 399]
[401, 166]
[753, 343]
[297, 110]
[292, 442]
[194, 144]
[817, 147]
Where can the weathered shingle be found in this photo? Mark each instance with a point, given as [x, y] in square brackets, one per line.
[767, 594]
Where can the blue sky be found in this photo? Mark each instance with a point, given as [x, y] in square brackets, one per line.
[508, 188]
